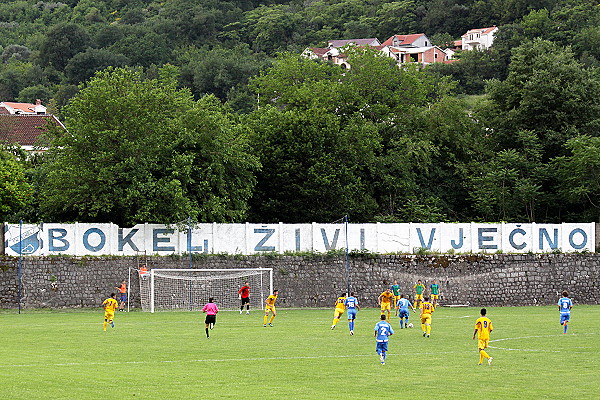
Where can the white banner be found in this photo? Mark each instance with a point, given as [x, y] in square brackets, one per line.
[108, 239]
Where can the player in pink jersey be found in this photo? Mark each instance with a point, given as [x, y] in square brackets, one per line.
[211, 311]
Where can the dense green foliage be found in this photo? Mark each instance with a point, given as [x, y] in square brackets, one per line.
[207, 111]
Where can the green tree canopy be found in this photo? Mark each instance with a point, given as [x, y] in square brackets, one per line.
[140, 150]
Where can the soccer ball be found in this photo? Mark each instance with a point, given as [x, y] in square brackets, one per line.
[410, 325]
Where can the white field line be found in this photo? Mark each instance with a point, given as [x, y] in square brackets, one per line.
[542, 350]
[108, 363]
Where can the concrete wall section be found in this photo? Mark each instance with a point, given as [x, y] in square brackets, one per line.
[316, 281]
[108, 239]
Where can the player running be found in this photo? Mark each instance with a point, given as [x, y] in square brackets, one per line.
[385, 301]
[211, 310]
[564, 306]
[418, 289]
[483, 325]
[426, 310]
[340, 307]
[270, 307]
[353, 307]
[383, 330]
[396, 291]
[403, 305]
[110, 306]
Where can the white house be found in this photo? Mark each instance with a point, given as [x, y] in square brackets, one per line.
[479, 39]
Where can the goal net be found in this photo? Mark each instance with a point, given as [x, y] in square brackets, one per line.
[190, 289]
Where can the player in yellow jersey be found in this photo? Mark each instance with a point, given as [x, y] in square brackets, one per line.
[270, 307]
[340, 307]
[385, 301]
[484, 327]
[426, 310]
[110, 306]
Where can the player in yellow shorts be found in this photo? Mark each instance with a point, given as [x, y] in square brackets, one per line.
[418, 289]
[385, 301]
[270, 307]
[110, 306]
[426, 310]
[484, 327]
[340, 308]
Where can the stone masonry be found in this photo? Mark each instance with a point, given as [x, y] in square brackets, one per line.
[317, 280]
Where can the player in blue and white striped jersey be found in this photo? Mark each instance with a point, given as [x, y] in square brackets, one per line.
[352, 308]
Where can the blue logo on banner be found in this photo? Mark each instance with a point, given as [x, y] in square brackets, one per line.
[28, 245]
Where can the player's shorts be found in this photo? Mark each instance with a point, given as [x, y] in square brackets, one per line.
[210, 319]
[426, 319]
[418, 297]
[338, 312]
[482, 343]
[109, 316]
[270, 308]
[396, 298]
[564, 317]
[381, 346]
[352, 314]
[386, 306]
[245, 300]
[403, 314]
[123, 297]
[435, 296]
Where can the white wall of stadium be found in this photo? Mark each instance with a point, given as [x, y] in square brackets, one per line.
[80, 239]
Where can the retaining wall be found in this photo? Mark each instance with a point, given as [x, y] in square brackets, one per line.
[316, 281]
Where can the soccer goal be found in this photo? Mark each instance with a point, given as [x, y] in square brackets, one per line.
[190, 289]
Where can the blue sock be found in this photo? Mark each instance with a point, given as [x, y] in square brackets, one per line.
[565, 330]
[401, 323]
[352, 325]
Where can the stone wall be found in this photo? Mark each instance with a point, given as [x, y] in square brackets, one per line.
[316, 281]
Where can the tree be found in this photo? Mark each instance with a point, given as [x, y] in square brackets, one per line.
[141, 151]
[83, 65]
[578, 173]
[547, 92]
[15, 191]
[61, 43]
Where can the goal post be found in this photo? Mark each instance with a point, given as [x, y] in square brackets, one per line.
[189, 289]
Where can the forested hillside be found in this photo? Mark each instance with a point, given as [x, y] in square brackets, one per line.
[205, 109]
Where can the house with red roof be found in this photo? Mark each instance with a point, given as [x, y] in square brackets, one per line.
[23, 124]
[414, 40]
[479, 39]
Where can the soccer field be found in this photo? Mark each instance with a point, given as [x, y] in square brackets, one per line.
[166, 355]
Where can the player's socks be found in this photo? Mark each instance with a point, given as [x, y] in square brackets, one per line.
[112, 324]
[105, 323]
[423, 328]
[428, 329]
[207, 332]
[482, 355]
[401, 324]
[565, 328]
[265, 320]
[272, 318]
[335, 321]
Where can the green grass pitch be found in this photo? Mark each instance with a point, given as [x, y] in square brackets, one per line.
[66, 355]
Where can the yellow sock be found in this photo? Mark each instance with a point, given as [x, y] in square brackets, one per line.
[428, 329]
[265, 320]
[423, 328]
[272, 318]
[480, 357]
[484, 354]
[335, 321]
[105, 325]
